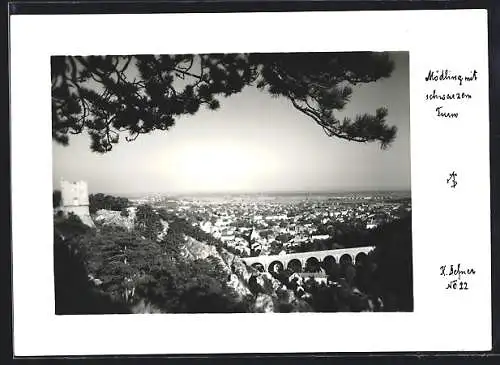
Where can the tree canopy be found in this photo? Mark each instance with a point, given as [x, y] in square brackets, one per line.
[393, 255]
[103, 201]
[122, 260]
[148, 222]
[137, 94]
[56, 198]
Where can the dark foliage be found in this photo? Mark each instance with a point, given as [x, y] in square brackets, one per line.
[148, 222]
[137, 94]
[66, 228]
[393, 256]
[178, 286]
[56, 198]
[109, 202]
[117, 257]
[122, 260]
[74, 292]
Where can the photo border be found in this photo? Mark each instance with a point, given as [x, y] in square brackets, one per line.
[494, 23]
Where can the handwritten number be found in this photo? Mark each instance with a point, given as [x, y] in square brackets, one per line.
[456, 273]
[462, 285]
[452, 285]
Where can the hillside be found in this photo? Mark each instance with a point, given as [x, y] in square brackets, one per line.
[177, 266]
[147, 261]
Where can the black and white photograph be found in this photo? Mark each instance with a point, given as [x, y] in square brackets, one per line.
[257, 173]
[232, 183]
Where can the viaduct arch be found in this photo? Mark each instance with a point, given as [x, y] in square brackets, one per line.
[294, 261]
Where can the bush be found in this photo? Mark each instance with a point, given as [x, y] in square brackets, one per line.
[109, 202]
[74, 293]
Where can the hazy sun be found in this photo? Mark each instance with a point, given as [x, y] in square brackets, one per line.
[225, 166]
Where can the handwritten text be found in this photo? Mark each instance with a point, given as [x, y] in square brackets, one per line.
[452, 94]
[456, 276]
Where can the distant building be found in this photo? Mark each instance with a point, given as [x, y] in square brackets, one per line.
[254, 235]
[320, 237]
[226, 238]
[318, 277]
[206, 227]
[75, 199]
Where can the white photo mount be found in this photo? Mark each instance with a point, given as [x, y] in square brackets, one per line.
[451, 226]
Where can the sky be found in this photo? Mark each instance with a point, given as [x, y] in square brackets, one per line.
[253, 143]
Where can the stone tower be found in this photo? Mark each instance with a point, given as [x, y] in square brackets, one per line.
[75, 199]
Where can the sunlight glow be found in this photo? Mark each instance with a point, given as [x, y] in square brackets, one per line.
[220, 167]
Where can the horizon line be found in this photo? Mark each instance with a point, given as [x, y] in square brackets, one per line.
[262, 192]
